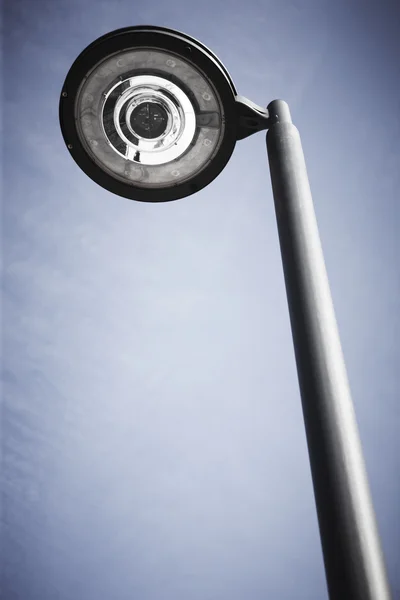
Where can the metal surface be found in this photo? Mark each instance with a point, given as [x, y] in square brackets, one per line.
[351, 547]
[251, 117]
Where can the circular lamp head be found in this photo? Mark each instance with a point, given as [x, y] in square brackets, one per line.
[149, 113]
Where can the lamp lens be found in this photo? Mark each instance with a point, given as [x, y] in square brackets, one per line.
[149, 120]
[149, 117]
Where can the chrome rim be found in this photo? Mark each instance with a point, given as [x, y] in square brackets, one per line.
[155, 100]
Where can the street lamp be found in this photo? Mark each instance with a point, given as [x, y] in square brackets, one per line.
[151, 114]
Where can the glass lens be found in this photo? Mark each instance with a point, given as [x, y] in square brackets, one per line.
[149, 117]
[149, 120]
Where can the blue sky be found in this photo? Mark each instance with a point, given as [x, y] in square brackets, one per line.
[153, 444]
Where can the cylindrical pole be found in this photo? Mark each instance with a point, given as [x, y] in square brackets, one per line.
[351, 547]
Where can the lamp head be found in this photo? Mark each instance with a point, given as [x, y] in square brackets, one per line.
[149, 113]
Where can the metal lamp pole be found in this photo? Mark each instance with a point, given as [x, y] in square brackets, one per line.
[351, 547]
[350, 542]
